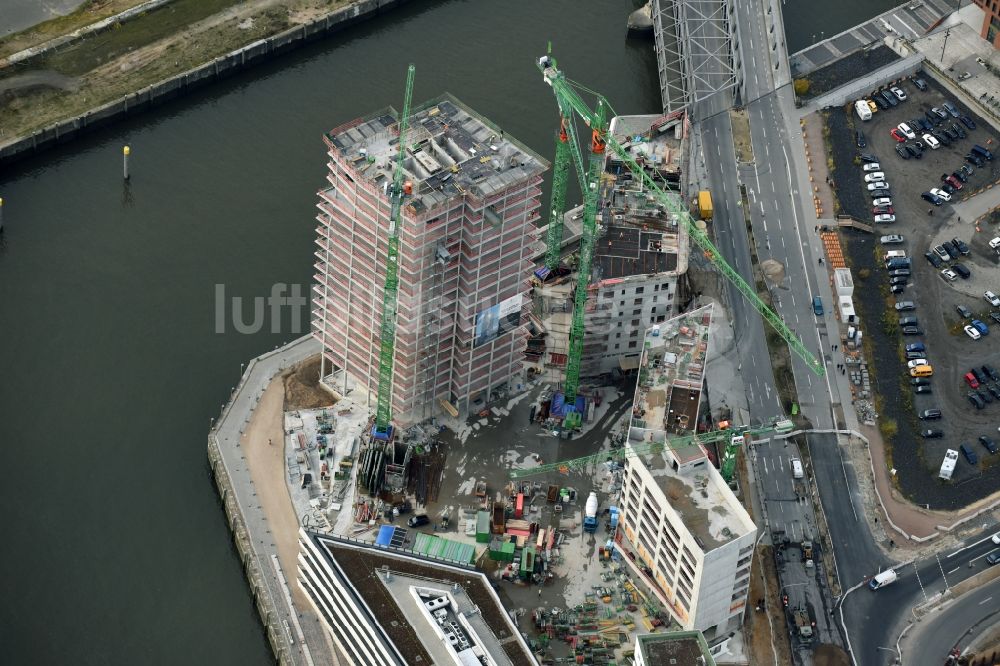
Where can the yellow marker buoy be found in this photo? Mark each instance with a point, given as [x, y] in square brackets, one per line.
[125, 153]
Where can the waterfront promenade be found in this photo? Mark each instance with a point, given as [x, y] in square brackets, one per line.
[294, 633]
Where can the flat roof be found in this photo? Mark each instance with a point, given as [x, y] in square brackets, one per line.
[639, 235]
[391, 600]
[452, 151]
[679, 647]
[667, 399]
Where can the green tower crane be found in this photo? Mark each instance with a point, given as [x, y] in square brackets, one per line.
[383, 415]
[568, 98]
[735, 438]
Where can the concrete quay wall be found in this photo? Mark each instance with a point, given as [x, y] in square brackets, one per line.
[246, 519]
[168, 89]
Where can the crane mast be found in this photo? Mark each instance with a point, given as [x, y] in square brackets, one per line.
[390, 295]
[570, 102]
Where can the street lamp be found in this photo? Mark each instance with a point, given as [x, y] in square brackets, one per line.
[898, 657]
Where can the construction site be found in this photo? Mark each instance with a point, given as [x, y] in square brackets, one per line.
[533, 410]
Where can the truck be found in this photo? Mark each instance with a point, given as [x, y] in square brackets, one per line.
[803, 623]
[797, 472]
[887, 577]
[705, 204]
[948, 465]
[590, 514]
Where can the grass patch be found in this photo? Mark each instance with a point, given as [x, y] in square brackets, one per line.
[89, 12]
[94, 51]
[741, 135]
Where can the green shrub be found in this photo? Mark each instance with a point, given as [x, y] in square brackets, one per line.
[801, 86]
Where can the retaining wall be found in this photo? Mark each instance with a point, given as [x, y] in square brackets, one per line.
[862, 86]
[182, 83]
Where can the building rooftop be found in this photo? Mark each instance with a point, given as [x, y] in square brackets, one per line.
[667, 399]
[680, 647]
[638, 234]
[452, 151]
[397, 586]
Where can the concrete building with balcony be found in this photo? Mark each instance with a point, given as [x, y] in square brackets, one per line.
[681, 527]
[640, 254]
[468, 233]
[386, 607]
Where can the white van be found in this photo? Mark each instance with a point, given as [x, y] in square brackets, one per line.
[797, 468]
[885, 578]
[862, 109]
[894, 254]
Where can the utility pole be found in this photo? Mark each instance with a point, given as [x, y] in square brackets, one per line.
[946, 33]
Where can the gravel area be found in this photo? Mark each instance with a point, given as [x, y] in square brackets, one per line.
[951, 353]
[847, 69]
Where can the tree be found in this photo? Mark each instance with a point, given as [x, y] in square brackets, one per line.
[801, 86]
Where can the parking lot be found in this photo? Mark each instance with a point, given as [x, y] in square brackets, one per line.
[949, 350]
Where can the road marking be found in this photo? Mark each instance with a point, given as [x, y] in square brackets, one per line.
[765, 225]
[970, 545]
[773, 191]
[954, 570]
[985, 601]
[943, 575]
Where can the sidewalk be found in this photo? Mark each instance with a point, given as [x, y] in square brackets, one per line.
[228, 433]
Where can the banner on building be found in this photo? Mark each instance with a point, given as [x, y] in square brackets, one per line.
[497, 320]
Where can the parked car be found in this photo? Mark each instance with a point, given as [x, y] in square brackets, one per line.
[950, 108]
[954, 182]
[915, 347]
[879, 186]
[991, 298]
[923, 123]
[906, 131]
[897, 289]
[920, 84]
[908, 320]
[910, 356]
[960, 244]
[931, 142]
[972, 332]
[868, 157]
[916, 363]
[963, 311]
[968, 122]
[981, 327]
[949, 275]
[899, 93]
[950, 133]
[874, 177]
[971, 380]
[929, 415]
[976, 401]
[972, 158]
[995, 316]
[931, 118]
[994, 391]
[920, 381]
[889, 97]
[942, 252]
[932, 433]
[885, 219]
[951, 249]
[871, 166]
[988, 443]
[985, 395]
[984, 153]
[817, 306]
[947, 188]
[922, 389]
[859, 138]
[891, 239]
[897, 135]
[959, 130]
[962, 271]
[961, 175]
[993, 557]
[904, 151]
[872, 106]
[940, 194]
[883, 210]
[932, 198]
[991, 372]
[970, 455]
[893, 281]
[882, 104]
[880, 193]
[941, 137]
[900, 272]
[934, 259]
[979, 375]
[418, 520]
[966, 169]
[912, 330]
[939, 112]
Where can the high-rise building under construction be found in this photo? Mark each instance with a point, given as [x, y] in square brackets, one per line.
[467, 234]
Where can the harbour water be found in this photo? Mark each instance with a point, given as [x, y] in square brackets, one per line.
[115, 549]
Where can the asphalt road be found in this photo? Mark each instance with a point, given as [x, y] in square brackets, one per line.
[875, 619]
[956, 626]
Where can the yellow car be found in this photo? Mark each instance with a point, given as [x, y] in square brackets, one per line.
[873, 106]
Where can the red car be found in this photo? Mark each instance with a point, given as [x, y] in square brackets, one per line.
[897, 135]
[883, 210]
[970, 379]
[954, 182]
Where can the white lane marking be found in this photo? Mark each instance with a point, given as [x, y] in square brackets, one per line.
[985, 601]
[954, 570]
[970, 545]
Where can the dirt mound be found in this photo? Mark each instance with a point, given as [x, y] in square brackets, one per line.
[773, 270]
[302, 387]
[830, 655]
